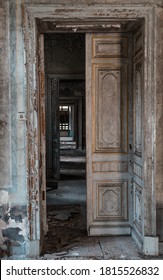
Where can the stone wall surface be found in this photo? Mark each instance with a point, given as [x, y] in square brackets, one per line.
[13, 195]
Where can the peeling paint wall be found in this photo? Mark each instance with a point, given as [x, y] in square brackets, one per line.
[13, 193]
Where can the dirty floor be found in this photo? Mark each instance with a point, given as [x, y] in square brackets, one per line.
[66, 212]
[67, 236]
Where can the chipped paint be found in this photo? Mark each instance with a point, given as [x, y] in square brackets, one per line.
[18, 213]
[15, 230]
[4, 212]
[12, 233]
[4, 197]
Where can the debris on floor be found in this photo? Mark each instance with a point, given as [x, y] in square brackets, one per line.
[63, 215]
[67, 238]
[65, 229]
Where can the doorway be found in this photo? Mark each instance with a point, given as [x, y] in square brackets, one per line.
[97, 148]
[109, 101]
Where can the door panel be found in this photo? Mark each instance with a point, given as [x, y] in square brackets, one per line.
[111, 110]
[108, 184]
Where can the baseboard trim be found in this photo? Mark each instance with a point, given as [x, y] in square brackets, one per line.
[33, 248]
[150, 246]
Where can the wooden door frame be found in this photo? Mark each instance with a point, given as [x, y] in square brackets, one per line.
[89, 16]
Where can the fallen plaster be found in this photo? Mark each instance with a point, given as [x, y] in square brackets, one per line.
[62, 215]
[67, 239]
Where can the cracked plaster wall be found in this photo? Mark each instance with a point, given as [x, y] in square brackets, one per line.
[13, 196]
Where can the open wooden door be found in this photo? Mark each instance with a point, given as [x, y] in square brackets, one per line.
[52, 132]
[107, 128]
